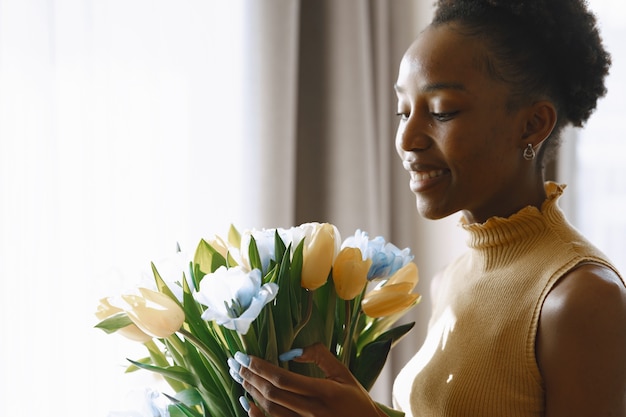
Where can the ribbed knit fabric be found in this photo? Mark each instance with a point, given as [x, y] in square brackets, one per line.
[479, 355]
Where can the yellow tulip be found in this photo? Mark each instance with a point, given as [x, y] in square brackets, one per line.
[407, 274]
[395, 296]
[350, 273]
[318, 255]
[154, 313]
[386, 303]
[132, 332]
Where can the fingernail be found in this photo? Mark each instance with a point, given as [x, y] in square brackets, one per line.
[244, 403]
[235, 375]
[242, 358]
[233, 364]
[290, 355]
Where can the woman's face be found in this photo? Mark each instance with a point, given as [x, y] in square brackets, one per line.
[456, 137]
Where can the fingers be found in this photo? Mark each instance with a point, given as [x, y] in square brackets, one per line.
[267, 403]
[282, 393]
[254, 411]
[326, 361]
[259, 373]
[273, 388]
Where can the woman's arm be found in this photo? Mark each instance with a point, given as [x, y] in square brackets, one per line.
[581, 344]
[285, 394]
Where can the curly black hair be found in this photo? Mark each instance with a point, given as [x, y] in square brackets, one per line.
[542, 48]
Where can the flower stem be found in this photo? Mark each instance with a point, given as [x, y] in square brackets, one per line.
[307, 314]
[250, 342]
[346, 348]
[158, 358]
[177, 344]
[221, 365]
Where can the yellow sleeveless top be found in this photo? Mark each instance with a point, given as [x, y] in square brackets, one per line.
[478, 358]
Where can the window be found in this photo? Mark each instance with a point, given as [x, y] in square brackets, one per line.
[595, 158]
[117, 122]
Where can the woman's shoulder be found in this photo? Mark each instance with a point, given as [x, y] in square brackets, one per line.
[586, 293]
[591, 293]
[581, 341]
[585, 277]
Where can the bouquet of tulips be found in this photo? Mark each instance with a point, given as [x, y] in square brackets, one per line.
[265, 292]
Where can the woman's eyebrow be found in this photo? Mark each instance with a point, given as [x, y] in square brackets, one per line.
[443, 86]
[435, 87]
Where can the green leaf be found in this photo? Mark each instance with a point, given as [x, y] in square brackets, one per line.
[267, 337]
[372, 334]
[197, 325]
[372, 357]
[253, 254]
[189, 397]
[161, 285]
[312, 332]
[295, 271]
[114, 323]
[207, 375]
[207, 258]
[176, 350]
[230, 261]
[325, 298]
[234, 237]
[396, 334]
[374, 327]
[175, 372]
[367, 366]
[296, 264]
[157, 357]
[231, 337]
[180, 409]
[279, 246]
[283, 315]
[133, 368]
[272, 275]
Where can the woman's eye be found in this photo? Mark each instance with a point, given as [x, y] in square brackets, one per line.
[444, 117]
[403, 116]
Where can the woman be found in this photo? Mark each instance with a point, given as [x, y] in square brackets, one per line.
[531, 321]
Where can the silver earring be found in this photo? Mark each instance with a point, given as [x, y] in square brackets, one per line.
[529, 152]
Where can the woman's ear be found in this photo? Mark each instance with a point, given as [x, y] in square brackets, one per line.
[539, 123]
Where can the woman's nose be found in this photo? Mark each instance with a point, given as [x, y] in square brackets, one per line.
[414, 135]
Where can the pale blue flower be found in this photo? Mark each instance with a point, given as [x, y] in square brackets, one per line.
[386, 257]
[234, 297]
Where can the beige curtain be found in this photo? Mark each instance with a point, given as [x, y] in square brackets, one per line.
[320, 120]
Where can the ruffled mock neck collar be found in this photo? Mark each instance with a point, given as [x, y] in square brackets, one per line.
[499, 231]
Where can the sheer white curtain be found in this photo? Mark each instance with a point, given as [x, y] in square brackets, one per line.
[120, 135]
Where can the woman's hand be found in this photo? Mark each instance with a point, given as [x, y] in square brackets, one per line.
[286, 394]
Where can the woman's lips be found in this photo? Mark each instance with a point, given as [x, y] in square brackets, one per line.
[421, 180]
